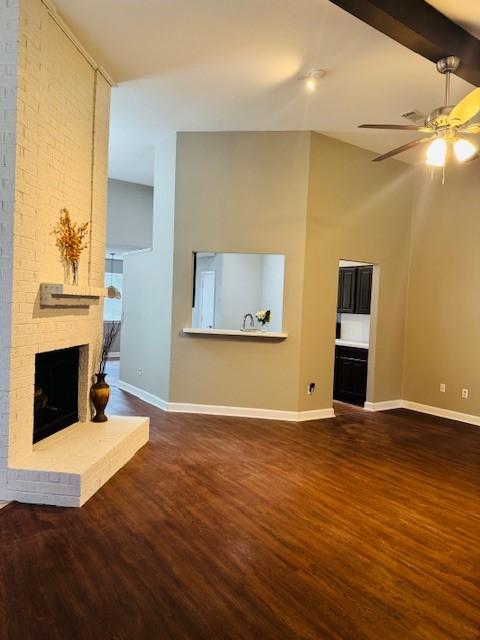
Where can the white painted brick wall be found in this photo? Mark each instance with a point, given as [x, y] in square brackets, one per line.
[9, 20]
[54, 134]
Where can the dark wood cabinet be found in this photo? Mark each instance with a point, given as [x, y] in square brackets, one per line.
[363, 289]
[350, 378]
[354, 289]
[346, 290]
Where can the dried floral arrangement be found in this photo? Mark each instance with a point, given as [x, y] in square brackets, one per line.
[108, 340]
[70, 239]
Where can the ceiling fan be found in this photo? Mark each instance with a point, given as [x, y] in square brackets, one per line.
[445, 125]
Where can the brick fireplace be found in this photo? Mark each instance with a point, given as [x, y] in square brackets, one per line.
[54, 123]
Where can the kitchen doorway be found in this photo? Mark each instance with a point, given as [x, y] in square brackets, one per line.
[353, 335]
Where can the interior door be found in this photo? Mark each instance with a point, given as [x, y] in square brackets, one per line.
[207, 309]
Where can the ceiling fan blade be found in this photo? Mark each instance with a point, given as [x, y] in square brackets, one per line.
[400, 127]
[404, 147]
[466, 109]
[471, 129]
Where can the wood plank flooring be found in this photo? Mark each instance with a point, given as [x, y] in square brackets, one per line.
[343, 408]
[365, 526]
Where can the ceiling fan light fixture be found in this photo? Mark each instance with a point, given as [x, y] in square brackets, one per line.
[447, 123]
[437, 153]
[312, 78]
[463, 149]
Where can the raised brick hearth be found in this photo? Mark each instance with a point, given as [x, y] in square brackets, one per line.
[67, 468]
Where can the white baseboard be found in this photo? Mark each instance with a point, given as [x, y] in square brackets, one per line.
[442, 413]
[219, 410]
[142, 394]
[314, 414]
[250, 412]
[383, 406]
[423, 408]
[290, 416]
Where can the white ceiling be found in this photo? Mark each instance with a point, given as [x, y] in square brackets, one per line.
[187, 65]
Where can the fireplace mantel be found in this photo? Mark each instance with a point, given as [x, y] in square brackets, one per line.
[56, 295]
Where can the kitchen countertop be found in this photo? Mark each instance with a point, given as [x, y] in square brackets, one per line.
[236, 332]
[349, 343]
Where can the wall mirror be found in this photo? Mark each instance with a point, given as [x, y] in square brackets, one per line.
[230, 289]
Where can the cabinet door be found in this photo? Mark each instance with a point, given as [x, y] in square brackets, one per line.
[346, 290]
[350, 378]
[363, 289]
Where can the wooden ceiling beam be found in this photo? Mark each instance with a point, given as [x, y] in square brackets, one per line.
[422, 29]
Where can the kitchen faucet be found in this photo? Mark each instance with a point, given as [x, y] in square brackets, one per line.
[252, 325]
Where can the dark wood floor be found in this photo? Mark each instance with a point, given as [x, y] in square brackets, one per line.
[343, 408]
[362, 526]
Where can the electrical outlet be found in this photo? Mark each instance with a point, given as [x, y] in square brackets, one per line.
[311, 388]
[140, 371]
[465, 394]
[443, 387]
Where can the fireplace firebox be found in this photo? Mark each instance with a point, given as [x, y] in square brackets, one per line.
[56, 391]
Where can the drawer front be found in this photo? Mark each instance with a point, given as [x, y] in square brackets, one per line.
[351, 352]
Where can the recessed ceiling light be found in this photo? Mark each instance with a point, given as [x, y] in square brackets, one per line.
[311, 79]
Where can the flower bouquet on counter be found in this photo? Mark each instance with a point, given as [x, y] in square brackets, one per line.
[263, 317]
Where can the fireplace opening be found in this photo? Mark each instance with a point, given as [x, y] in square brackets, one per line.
[56, 391]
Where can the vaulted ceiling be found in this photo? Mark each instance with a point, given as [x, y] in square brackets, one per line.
[186, 65]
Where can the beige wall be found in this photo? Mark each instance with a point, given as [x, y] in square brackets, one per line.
[443, 319]
[357, 210]
[130, 216]
[319, 200]
[239, 192]
[250, 192]
[147, 290]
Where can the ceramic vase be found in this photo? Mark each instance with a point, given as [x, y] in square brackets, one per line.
[100, 394]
